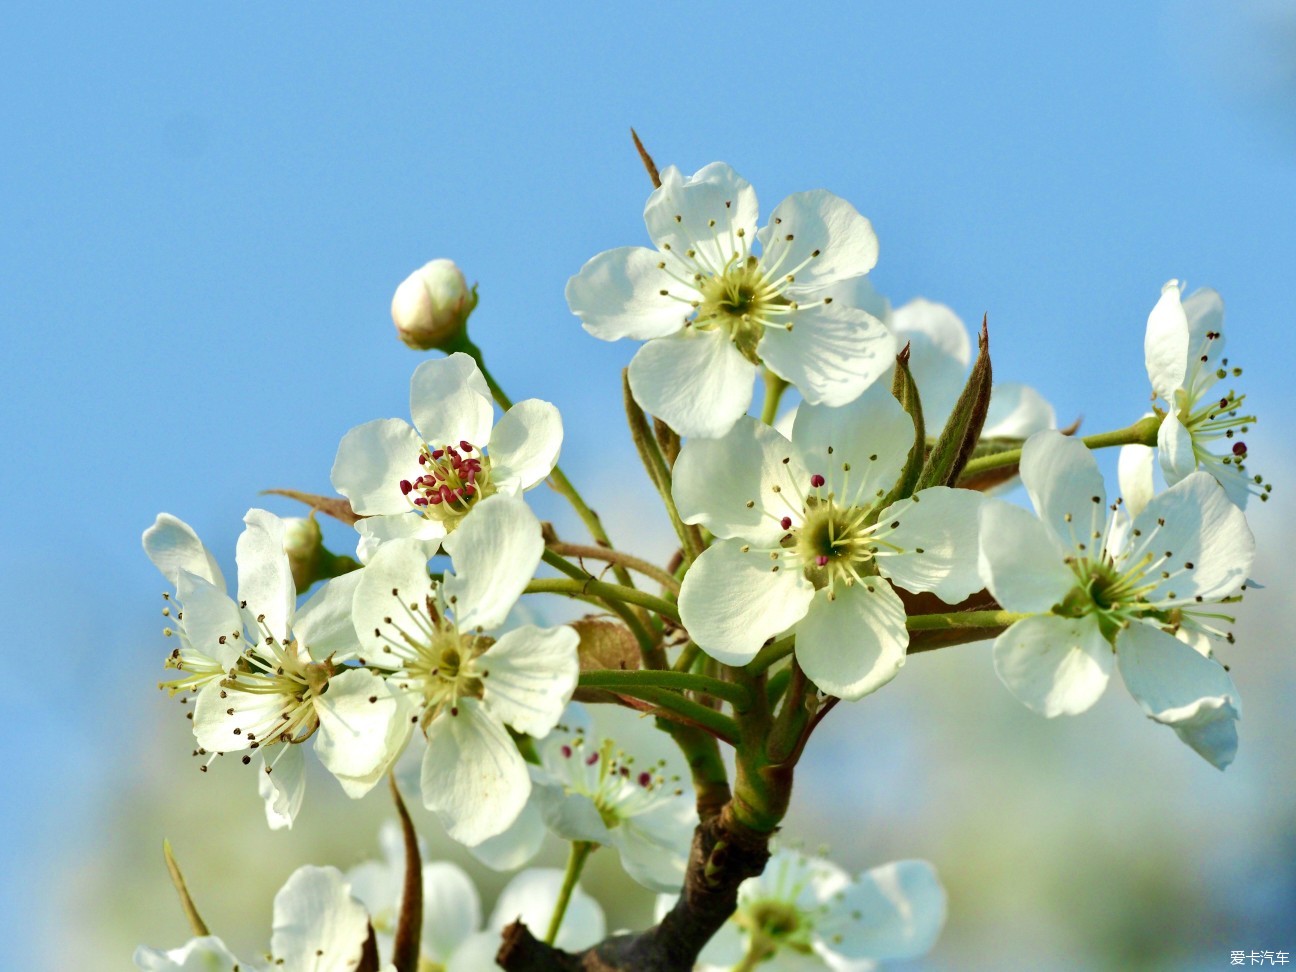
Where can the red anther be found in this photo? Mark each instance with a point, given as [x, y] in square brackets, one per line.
[470, 490]
[422, 458]
[1223, 403]
[1239, 448]
[406, 486]
[567, 752]
[465, 445]
[420, 501]
[470, 476]
[591, 759]
[438, 453]
[816, 480]
[786, 523]
[433, 498]
[821, 560]
[447, 494]
[644, 779]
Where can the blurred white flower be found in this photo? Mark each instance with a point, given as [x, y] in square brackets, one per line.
[421, 482]
[431, 638]
[712, 311]
[806, 913]
[1102, 588]
[805, 544]
[318, 926]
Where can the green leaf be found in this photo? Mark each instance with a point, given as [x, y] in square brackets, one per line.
[905, 391]
[959, 437]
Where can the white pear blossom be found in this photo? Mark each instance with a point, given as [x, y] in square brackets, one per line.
[1183, 348]
[431, 306]
[453, 937]
[588, 788]
[807, 913]
[1102, 589]
[712, 311]
[421, 481]
[805, 543]
[432, 638]
[268, 676]
[319, 926]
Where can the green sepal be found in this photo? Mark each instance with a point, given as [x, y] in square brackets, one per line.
[409, 926]
[905, 390]
[958, 439]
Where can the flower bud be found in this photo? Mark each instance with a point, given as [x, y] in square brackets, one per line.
[308, 558]
[431, 307]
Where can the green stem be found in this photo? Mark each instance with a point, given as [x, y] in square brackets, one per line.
[774, 388]
[580, 851]
[617, 557]
[1142, 432]
[557, 478]
[684, 663]
[768, 655]
[957, 620]
[653, 655]
[602, 589]
[630, 681]
[716, 723]
[654, 464]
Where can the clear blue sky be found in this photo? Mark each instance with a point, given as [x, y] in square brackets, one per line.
[206, 206]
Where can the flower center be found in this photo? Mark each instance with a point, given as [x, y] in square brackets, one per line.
[609, 777]
[742, 302]
[835, 544]
[453, 480]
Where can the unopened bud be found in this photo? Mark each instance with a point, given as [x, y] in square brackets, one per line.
[309, 559]
[431, 307]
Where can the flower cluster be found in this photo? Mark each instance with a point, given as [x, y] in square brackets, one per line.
[815, 554]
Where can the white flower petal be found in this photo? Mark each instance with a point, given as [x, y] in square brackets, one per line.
[206, 954]
[530, 898]
[517, 845]
[1062, 478]
[818, 237]
[570, 816]
[733, 602]
[872, 435]
[1023, 562]
[831, 354]
[473, 777]
[318, 925]
[219, 712]
[1016, 411]
[211, 619]
[1194, 522]
[323, 625]
[528, 676]
[476, 953]
[1134, 473]
[726, 483]
[619, 294]
[524, 445]
[1165, 345]
[372, 459]
[283, 785]
[173, 546]
[943, 524]
[900, 908]
[376, 530]
[695, 381]
[363, 728]
[494, 552]
[450, 401]
[1175, 449]
[655, 846]
[1054, 665]
[265, 577]
[1179, 687]
[451, 909]
[703, 213]
[939, 352]
[399, 566]
[854, 643]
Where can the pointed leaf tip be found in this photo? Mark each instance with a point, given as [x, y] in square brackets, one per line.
[409, 927]
[186, 902]
[646, 159]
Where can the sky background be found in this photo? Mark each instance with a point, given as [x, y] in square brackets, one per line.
[206, 207]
